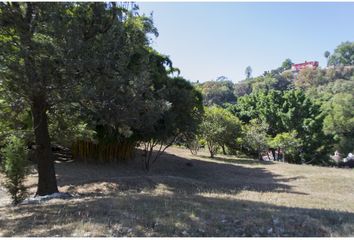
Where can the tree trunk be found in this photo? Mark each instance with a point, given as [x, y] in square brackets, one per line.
[223, 149]
[259, 155]
[273, 153]
[211, 151]
[47, 183]
[278, 156]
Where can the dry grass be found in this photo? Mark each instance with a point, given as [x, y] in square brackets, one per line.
[221, 197]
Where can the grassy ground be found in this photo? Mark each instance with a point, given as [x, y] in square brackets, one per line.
[221, 197]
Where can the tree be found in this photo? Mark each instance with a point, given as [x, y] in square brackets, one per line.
[286, 65]
[255, 137]
[285, 112]
[326, 55]
[233, 130]
[179, 120]
[340, 121]
[263, 105]
[121, 91]
[288, 143]
[219, 128]
[300, 113]
[248, 72]
[15, 168]
[40, 51]
[342, 55]
[242, 88]
[308, 78]
[22, 42]
[217, 92]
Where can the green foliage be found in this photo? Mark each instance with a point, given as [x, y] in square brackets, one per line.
[121, 91]
[44, 60]
[255, 137]
[340, 120]
[242, 88]
[308, 77]
[285, 112]
[286, 65]
[265, 106]
[342, 55]
[66, 126]
[300, 113]
[14, 116]
[217, 92]
[181, 119]
[219, 128]
[14, 167]
[289, 143]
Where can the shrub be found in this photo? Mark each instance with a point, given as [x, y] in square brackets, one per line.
[219, 129]
[193, 144]
[15, 168]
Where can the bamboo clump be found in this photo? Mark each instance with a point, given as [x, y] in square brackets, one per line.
[88, 151]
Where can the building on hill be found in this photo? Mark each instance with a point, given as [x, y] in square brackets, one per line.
[295, 68]
[299, 66]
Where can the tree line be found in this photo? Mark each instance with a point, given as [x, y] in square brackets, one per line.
[306, 115]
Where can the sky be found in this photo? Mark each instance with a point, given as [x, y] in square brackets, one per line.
[212, 39]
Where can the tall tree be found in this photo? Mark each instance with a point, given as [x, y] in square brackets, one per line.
[38, 52]
[326, 55]
[248, 72]
[302, 114]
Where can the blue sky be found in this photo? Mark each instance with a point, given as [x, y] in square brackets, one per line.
[207, 40]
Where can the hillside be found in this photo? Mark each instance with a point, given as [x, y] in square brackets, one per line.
[227, 196]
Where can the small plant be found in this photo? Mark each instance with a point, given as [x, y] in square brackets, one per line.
[14, 166]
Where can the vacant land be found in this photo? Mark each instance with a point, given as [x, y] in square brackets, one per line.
[186, 195]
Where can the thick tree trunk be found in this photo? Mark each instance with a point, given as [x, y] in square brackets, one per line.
[47, 183]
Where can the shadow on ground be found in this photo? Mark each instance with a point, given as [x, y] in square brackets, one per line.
[145, 215]
[124, 200]
[242, 161]
[179, 175]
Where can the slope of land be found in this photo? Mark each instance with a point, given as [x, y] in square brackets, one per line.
[186, 195]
